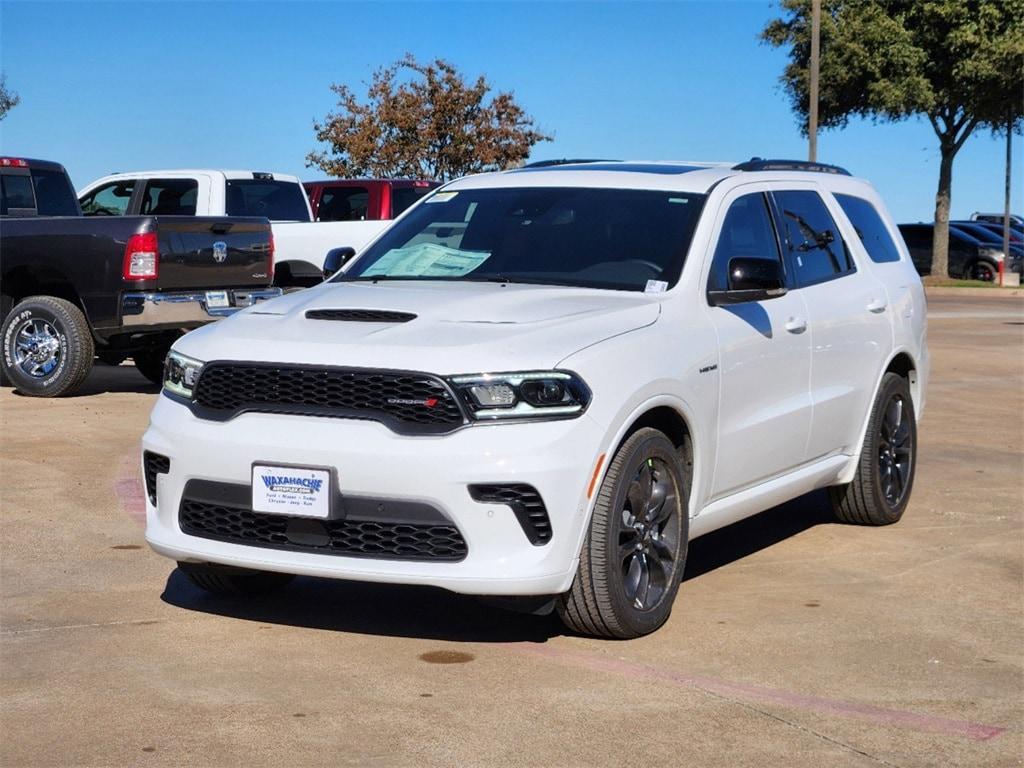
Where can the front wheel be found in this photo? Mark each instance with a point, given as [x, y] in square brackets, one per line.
[880, 490]
[48, 347]
[982, 270]
[226, 580]
[635, 550]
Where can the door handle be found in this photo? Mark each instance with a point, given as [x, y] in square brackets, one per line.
[877, 306]
[796, 325]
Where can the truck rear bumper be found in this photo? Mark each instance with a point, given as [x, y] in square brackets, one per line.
[185, 309]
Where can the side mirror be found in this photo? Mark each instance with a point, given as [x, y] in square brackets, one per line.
[751, 280]
[336, 259]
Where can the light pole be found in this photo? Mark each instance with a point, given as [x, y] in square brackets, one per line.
[812, 113]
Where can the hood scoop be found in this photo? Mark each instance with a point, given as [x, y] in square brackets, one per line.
[360, 315]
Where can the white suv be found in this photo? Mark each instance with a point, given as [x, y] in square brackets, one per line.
[546, 382]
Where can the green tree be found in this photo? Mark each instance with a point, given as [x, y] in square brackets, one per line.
[8, 99]
[955, 62]
[423, 120]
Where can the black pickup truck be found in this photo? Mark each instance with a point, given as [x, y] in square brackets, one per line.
[74, 288]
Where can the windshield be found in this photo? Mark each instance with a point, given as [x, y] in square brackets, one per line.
[600, 238]
[277, 200]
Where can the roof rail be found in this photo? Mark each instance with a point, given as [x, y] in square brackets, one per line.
[760, 164]
[566, 161]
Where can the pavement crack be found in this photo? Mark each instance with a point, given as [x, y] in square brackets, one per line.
[31, 630]
[799, 727]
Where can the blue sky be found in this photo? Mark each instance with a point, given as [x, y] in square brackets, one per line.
[135, 86]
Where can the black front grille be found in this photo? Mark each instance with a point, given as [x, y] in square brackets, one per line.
[154, 464]
[526, 504]
[412, 402]
[381, 539]
[361, 315]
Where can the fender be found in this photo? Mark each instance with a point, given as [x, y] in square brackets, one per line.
[614, 438]
[916, 395]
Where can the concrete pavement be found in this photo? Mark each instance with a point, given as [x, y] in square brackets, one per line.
[794, 639]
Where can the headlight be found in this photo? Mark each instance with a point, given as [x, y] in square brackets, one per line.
[181, 373]
[532, 394]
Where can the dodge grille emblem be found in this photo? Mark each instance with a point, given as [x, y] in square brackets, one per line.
[220, 251]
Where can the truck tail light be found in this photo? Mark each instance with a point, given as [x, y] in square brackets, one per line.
[271, 265]
[13, 162]
[141, 257]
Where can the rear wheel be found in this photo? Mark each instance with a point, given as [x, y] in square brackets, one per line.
[982, 270]
[150, 362]
[47, 347]
[881, 488]
[227, 580]
[635, 551]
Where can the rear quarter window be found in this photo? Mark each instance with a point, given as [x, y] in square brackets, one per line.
[870, 229]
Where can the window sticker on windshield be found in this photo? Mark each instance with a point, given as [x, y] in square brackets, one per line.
[440, 197]
[426, 260]
[656, 286]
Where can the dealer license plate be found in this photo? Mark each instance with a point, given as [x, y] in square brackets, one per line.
[217, 299]
[297, 491]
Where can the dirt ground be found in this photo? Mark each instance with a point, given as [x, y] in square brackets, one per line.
[794, 639]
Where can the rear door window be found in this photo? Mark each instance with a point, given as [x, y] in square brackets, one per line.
[870, 228]
[748, 232]
[18, 196]
[109, 200]
[54, 194]
[271, 198]
[343, 204]
[170, 197]
[816, 249]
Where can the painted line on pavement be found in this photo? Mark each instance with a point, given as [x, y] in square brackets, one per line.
[976, 315]
[836, 707]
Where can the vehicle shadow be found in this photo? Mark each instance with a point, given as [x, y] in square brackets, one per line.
[429, 613]
[112, 378]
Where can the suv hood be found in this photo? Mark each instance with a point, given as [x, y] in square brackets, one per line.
[457, 328]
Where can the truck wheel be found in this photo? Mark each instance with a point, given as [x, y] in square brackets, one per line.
[982, 270]
[635, 550]
[885, 475]
[48, 347]
[150, 363]
[227, 580]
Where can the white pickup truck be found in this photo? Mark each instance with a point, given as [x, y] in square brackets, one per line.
[300, 244]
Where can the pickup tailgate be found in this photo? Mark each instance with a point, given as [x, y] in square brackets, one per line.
[214, 252]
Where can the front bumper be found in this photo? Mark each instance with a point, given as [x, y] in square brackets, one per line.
[185, 309]
[555, 457]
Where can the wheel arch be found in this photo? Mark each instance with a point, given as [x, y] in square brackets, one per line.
[21, 282]
[902, 363]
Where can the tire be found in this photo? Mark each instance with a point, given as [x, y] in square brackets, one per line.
[47, 347]
[150, 363]
[983, 271]
[226, 580]
[880, 490]
[619, 548]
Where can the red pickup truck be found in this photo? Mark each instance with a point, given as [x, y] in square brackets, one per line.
[364, 199]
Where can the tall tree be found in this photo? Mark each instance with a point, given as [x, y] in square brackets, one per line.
[8, 99]
[423, 120]
[955, 62]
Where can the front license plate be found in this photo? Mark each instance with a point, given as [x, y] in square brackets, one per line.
[298, 491]
[217, 299]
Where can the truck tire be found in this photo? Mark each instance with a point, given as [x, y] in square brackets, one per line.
[634, 554]
[48, 347]
[150, 363]
[880, 490]
[228, 581]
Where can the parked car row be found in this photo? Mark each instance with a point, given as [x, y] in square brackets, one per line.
[975, 248]
[336, 213]
[123, 268]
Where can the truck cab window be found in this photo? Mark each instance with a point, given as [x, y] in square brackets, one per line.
[170, 197]
[109, 200]
[343, 204]
[747, 231]
[17, 194]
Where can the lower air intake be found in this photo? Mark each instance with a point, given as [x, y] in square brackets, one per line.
[526, 504]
